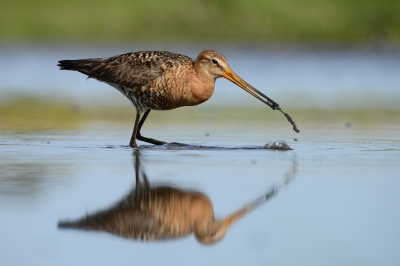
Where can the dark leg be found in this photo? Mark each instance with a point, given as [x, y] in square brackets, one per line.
[132, 143]
[136, 165]
[138, 169]
[140, 137]
[141, 187]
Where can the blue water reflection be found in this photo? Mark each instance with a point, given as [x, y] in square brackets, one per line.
[345, 194]
[154, 213]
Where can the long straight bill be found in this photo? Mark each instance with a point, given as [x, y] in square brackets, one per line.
[238, 214]
[230, 75]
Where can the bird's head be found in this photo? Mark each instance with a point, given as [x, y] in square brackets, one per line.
[210, 233]
[213, 63]
[216, 65]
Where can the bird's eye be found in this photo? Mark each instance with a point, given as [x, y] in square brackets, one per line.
[214, 61]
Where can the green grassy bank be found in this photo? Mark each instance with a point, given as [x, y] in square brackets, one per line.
[208, 20]
[30, 113]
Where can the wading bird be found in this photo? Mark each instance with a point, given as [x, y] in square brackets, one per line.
[160, 213]
[155, 80]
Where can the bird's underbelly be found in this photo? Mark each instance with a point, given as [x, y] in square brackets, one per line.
[146, 97]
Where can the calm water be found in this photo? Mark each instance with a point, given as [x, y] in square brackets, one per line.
[341, 207]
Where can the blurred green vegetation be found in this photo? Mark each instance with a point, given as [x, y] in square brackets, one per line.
[208, 20]
[35, 113]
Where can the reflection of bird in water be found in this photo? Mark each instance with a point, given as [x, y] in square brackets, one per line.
[163, 81]
[163, 213]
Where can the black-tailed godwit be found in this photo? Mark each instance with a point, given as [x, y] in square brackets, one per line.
[163, 81]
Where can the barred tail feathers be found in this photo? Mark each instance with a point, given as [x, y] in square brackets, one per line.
[85, 66]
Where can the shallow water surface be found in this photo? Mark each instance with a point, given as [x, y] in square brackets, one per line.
[341, 206]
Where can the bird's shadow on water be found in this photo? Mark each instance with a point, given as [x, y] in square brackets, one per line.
[273, 145]
[166, 212]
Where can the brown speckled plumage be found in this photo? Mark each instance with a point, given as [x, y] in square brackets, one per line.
[153, 214]
[150, 80]
[155, 80]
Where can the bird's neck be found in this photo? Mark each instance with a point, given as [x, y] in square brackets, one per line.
[201, 85]
[201, 210]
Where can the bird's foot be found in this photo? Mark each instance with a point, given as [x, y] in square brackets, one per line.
[133, 144]
[149, 140]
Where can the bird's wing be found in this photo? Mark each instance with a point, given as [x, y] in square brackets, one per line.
[128, 70]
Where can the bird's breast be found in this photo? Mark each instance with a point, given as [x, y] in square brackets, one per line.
[175, 88]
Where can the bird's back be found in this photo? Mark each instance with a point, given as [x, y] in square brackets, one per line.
[150, 79]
